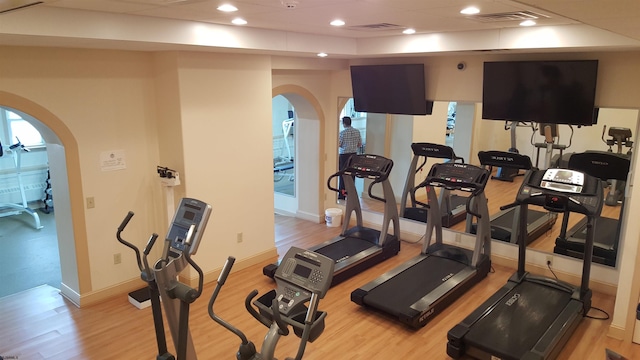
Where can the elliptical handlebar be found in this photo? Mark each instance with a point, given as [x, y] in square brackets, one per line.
[283, 329]
[123, 225]
[224, 273]
[192, 296]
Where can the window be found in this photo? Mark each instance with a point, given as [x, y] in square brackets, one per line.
[21, 129]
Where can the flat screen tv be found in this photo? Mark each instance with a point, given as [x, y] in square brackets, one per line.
[557, 92]
[390, 89]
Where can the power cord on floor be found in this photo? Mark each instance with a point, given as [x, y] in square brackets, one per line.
[550, 269]
[414, 242]
[605, 317]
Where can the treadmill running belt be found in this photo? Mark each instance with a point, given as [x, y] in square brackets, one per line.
[346, 247]
[506, 220]
[519, 320]
[457, 201]
[605, 236]
[409, 286]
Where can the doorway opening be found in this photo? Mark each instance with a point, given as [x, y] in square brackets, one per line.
[27, 218]
[284, 146]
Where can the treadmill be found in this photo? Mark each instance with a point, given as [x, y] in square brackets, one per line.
[605, 166]
[424, 286]
[359, 248]
[503, 222]
[452, 206]
[532, 317]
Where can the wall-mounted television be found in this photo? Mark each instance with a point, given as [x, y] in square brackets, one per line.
[390, 89]
[558, 92]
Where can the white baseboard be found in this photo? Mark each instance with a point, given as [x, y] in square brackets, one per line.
[124, 288]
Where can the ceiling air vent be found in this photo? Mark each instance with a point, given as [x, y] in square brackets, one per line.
[11, 5]
[508, 16]
[376, 27]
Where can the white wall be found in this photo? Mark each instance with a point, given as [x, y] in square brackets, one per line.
[225, 132]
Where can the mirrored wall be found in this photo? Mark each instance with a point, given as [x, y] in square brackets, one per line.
[468, 133]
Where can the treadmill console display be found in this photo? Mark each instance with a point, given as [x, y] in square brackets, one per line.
[563, 180]
[560, 190]
[464, 177]
[189, 212]
[367, 165]
[301, 273]
[504, 159]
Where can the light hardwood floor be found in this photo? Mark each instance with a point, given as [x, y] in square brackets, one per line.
[40, 324]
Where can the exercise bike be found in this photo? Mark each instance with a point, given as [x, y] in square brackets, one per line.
[303, 276]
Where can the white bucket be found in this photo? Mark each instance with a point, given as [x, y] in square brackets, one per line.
[333, 217]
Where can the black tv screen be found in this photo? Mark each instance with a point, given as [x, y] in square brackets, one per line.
[389, 89]
[558, 92]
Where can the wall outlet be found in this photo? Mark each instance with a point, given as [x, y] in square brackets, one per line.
[239, 237]
[91, 202]
[117, 258]
[549, 261]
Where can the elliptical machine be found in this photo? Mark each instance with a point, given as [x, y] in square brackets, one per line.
[620, 137]
[181, 242]
[303, 276]
[146, 273]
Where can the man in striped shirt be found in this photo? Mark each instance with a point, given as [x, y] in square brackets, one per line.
[348, 144]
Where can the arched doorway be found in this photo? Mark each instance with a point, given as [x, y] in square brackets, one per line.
[309, 155]
[64, 164]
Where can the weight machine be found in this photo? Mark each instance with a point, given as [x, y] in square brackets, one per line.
[9, 209]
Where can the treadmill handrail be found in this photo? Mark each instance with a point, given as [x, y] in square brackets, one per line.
[339, 173]
[377, 181]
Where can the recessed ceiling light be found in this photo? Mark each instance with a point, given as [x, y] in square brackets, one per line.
[471, 10]
[337, 23]
[323, 54]
[227, 8]
[409, 31]
[239, 21]
[528, 23]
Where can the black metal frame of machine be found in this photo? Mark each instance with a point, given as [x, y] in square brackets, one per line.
[359, 248]
[419, 289]
[503, 222]
[605, 166]
[532, 317]
[452, 206]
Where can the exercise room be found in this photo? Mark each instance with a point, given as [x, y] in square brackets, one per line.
[177, 186]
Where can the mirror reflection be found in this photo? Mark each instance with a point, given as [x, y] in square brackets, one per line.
[460, 126]
[284, 146]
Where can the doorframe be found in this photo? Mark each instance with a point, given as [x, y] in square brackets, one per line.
[76, 275]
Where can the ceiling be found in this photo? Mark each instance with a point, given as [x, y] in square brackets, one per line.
[365, 19]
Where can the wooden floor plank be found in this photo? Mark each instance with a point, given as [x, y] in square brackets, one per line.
[40, 324]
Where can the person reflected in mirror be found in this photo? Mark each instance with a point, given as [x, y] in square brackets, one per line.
[348, 144]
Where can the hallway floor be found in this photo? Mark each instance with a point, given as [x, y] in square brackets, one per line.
[29, 257]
